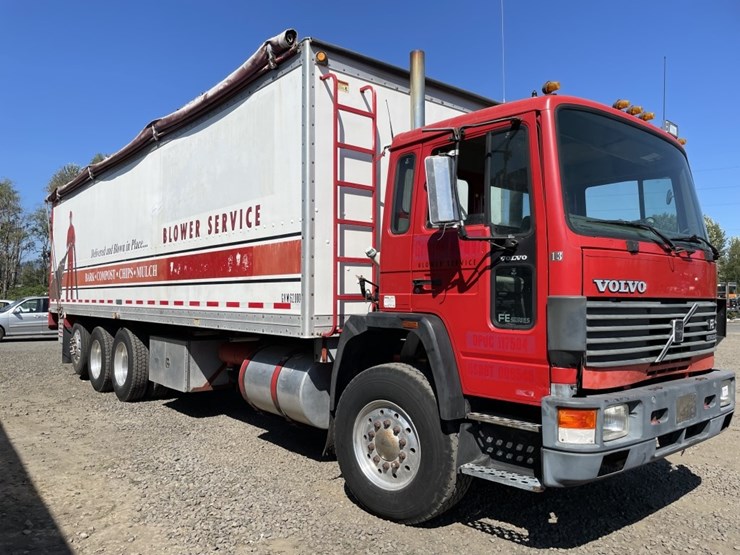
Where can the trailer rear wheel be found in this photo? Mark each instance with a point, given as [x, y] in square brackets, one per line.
[99, 360]
[393, 454]
[130, 366]
[79, 346]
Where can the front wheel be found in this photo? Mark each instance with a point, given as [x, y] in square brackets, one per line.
[393, 454]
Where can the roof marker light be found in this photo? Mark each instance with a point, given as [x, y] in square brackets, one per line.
[321, 58]
[550, 87]
[647, 116]
[621, 104]
[634, 110]
[682, 141]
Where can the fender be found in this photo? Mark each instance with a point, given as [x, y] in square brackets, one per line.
[433, 335]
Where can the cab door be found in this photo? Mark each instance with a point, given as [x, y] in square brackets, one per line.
[487, 288]
[395, 270]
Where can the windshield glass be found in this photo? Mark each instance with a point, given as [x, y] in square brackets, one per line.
[613, 172]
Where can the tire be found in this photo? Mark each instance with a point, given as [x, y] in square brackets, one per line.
[99, 360]
[393, 454]
[79, 348]
[130, 374]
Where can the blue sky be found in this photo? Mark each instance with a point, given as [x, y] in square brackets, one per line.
[82, 77]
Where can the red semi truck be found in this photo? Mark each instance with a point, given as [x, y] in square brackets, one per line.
[520, 292]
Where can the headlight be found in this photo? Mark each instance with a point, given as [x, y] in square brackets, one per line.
[616, 422]
[724, 397]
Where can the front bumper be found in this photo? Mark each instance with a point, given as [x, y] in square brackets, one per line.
[657, 428]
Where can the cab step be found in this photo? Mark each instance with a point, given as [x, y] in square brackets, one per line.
[507, 422]
[506, 477]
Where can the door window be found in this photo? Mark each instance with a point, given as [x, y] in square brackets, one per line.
[403, 187]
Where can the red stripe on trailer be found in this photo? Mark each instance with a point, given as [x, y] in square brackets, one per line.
[211, 303]
[110, 301]
[179, 303]
[151, 302]
[129, 301]
[138, 301]
[281, 306]
[232, 304]
[265, 260]
[164, 303]
[255, 305]
[194, 303]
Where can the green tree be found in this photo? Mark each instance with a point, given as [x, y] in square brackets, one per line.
[62, 176]
[718, 238]
[13, 235]
[731, 265]
[99, 157]
[38, 231]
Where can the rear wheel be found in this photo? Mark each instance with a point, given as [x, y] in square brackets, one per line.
[99, 360]
[79, 346]
[130, 366]
[393, 454]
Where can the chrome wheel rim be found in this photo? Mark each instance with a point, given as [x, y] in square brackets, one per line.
[120, 364]
[386, 445]
[95, 364]
[75, 346]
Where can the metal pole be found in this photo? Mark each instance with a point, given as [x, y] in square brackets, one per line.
[664, 75]
[417, 92]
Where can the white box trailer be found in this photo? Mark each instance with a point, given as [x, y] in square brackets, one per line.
[223, 216]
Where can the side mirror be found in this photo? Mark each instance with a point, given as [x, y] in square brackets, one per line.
[443, 205]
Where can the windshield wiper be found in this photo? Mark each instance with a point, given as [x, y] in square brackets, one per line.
[700, 241]
[665, 242]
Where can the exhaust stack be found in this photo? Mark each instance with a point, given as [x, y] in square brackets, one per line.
[417, 88]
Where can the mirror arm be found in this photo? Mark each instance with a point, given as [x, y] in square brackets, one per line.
[509, 242]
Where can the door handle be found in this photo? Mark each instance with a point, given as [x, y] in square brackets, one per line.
[420, 283]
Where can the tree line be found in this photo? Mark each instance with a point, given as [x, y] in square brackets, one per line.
[25, 249]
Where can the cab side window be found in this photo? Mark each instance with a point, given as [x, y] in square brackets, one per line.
[402, 194]
[509, 193]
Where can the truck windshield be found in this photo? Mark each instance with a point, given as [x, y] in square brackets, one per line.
[620, 181]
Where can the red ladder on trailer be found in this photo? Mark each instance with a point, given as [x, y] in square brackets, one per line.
[338, 184]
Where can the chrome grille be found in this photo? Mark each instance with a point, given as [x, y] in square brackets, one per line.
[624, 332]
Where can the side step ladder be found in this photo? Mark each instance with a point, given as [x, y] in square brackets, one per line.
[341, 223]
[500, 476]
[506, 476]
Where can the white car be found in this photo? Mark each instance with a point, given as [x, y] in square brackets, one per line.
[27, 317]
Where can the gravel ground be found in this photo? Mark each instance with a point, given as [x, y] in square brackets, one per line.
[81, 472]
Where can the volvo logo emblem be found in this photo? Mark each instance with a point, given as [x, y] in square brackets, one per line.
[677, 328]
[620, 286]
